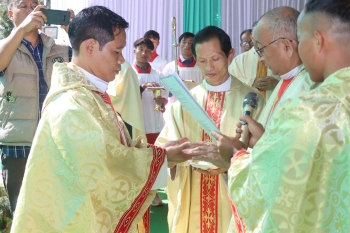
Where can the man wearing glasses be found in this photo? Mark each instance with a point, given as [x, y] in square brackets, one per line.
[246, 40]
[275, 42]
[248, 69]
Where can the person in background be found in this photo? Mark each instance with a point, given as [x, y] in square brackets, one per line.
[248, 68]
[157, 62]
[187, 67]
[246, 40]
[27, 57]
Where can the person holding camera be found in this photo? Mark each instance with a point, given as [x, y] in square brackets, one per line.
[27, 56]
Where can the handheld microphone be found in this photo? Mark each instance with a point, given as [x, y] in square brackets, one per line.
[250, 103]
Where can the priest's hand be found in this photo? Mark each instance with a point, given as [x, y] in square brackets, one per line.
[210, 153]
[256, 130]
[212, 172]
[178, 151]
[151, 84]
[267, 83]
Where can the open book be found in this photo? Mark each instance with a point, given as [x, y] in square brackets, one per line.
[174, 84]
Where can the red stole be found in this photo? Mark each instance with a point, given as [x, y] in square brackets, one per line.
[181, 64]
[153, 56]
[209, 192]
[139, 70]
[283, 88]
[129, 215]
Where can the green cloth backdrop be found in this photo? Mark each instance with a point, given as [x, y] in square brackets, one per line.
[201, 13]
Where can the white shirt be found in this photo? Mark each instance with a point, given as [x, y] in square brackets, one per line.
[99, 83]
[292, 73]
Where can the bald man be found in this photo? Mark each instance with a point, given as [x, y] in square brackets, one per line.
[275, 41]
[248, 69]
[297, 175]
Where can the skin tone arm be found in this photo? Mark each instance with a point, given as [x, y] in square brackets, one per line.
[267, 83]
[221, 154]
[8, 46]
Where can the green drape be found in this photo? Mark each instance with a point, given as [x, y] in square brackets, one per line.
[201, 13]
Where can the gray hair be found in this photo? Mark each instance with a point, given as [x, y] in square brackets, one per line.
[282, 22]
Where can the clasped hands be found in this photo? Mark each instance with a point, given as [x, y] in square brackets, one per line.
[218, 154]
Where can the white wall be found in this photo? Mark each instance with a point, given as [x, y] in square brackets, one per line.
[143, 15]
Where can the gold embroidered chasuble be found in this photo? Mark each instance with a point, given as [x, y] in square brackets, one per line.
[297, 177]
[79, 177]
[200, 203]
[124, 90]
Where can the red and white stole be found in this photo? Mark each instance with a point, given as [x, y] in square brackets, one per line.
[209, 191]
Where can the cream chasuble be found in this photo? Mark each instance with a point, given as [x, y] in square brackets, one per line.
[297, 177]
[79, 176]
[244, 67]
[124, 92]
[200, 203]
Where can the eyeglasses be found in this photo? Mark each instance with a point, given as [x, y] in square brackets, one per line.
[247, 43]
[259, 51]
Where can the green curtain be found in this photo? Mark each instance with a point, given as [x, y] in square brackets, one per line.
[201, 13]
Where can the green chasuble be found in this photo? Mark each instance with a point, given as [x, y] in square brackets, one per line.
[297, 177]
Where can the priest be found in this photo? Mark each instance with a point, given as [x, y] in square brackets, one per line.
[84, 173]
[198, 200]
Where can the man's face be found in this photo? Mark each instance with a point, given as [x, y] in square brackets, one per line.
[213, 62]
[155, 42]
[307, 49]
[271, 55]
[20, 10]
[106, 63]
[246, 43]
[185, 47]
[142, 54]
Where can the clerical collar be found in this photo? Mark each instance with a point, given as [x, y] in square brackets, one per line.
[99, 83]
[291, 73]
[226, 86]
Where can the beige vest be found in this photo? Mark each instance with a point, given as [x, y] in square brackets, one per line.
[19, 92]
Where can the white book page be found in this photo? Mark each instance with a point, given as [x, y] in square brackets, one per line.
[174, 84]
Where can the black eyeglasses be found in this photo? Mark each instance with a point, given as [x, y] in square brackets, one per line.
[259, 50]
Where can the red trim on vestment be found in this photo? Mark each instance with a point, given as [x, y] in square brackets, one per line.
[153, 56]
[181, 64]
[209, 192]
[146, 220]
[139, 71]
[129, 216]
[108, 101]
[284, 86]
[238, 220]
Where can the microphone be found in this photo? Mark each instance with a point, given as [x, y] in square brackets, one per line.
[250, 103]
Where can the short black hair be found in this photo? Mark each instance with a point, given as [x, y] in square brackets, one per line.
[339, 9]
[151, 34]
[185, 35]
[245, 31]
[144, 41]
[209, 33]
[97, 22]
